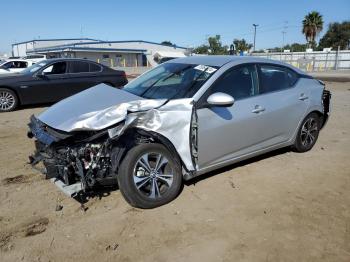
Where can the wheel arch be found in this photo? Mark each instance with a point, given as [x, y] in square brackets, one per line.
[134, 136]
[15, 91]
[321, 115]
[314, 110]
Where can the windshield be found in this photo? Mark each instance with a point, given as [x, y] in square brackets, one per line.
[171, 81]
[35, 67]
[3, 64]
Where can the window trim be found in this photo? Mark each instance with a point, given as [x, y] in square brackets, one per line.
[258, 66]
[87, 61]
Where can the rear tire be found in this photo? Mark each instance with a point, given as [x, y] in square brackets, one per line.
[8, 100]
[149, 176]
[307, 134]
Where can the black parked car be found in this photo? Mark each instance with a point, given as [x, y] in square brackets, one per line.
[54, 79]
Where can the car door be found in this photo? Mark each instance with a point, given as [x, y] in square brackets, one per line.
[285, 102]
[49, 84]
[227, 132]
[83, 75]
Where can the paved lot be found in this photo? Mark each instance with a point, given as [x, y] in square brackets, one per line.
[283, 206]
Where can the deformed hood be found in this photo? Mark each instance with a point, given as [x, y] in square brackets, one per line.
[94, 109]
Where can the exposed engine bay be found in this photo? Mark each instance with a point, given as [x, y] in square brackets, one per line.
[72, 158]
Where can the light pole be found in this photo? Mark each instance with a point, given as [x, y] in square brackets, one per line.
[255, 25]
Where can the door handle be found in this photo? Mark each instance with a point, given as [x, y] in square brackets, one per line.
[303, 97]
[258, 109]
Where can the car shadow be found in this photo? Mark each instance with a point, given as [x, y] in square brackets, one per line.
[97, 192]
[24, 107]
[199, 178]
[105, 191]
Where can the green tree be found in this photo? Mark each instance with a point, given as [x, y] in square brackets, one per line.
[338, 34]
[167, 43]
[214, 47]
[241, 45]
[312, 26]
[203, 49]
[295, 47]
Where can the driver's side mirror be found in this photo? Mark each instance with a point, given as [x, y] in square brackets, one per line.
[220, 99]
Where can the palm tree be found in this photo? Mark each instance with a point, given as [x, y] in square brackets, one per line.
[312, 26]
[242, 45]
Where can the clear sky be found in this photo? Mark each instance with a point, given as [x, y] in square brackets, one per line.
[183, 22]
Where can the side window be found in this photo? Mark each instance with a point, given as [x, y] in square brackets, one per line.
[21, 64]
[239, 82]
[79, 67]
[8, 65]
[274, 78]
[56, 69]
[94, 67]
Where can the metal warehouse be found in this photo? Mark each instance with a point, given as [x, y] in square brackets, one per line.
[134, 53]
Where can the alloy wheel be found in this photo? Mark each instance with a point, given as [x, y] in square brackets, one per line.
[7, 100]
[153, 175]
[308, 133]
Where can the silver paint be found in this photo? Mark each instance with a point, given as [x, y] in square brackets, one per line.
[225, 134]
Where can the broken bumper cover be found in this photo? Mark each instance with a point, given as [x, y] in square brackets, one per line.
[44, 138]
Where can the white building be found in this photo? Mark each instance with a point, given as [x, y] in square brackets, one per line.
[135, 53]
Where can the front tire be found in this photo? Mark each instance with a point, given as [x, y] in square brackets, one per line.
[308, 133]
[8, 100]
[149, 176]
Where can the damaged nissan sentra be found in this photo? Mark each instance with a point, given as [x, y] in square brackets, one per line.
[181, 119]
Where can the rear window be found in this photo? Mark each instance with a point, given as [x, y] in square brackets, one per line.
[95, 67]
[79, 67]
[274, 78]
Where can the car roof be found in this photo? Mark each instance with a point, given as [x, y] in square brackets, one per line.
[18, 60]
[220, 60]
[67, 59]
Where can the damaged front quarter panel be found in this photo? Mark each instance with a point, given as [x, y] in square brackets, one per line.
[172, 120]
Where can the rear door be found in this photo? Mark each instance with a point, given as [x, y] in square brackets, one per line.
[284, 102]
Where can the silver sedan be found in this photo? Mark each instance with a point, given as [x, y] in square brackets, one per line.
[179, 120]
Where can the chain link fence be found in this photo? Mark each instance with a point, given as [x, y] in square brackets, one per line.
[312, 61]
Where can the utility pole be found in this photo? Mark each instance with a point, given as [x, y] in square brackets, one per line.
[283, 35]
[81, 31]
[255, 25]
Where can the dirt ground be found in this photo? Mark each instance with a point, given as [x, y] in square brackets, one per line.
[282, 206]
